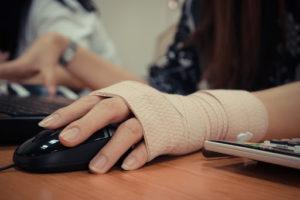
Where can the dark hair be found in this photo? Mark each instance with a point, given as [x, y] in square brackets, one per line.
[235, 37]
[13, 14]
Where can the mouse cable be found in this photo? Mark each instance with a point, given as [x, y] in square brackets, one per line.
[7, 167]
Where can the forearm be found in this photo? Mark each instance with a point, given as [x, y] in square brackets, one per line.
[95, 71]
[63, 77]
[92, 70]
[67, 79]
[283, 106]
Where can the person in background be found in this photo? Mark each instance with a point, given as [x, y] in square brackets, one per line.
[252, 45]
[22, 22]
[243, 52]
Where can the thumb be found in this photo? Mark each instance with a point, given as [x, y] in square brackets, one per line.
[49, 80]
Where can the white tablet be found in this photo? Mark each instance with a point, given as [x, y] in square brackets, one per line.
[256, 151]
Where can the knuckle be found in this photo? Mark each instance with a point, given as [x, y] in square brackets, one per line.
[64, 110]
[90, 99]
[132, 126]
[141, 153]
[113, 107]
[140, 157]
[83, 130]
[60, 111]
[109, 103]
[75, 124]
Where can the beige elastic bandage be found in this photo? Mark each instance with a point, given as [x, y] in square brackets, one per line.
[175, 124]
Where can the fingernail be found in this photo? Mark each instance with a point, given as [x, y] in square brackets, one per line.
[50, 120]
[70, 135]
[98, 164]
[129, 163]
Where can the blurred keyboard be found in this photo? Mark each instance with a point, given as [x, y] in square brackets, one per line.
[31, 106]
[19, 116]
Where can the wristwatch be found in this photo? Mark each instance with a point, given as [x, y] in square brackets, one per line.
[68, 53]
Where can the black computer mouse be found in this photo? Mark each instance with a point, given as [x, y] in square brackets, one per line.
[45, 153]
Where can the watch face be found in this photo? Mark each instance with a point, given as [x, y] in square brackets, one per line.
[69, 53]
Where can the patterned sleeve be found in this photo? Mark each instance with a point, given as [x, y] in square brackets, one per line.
[178, 71]
[283, 66]
[293, 30]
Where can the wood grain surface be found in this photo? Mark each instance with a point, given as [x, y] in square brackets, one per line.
[185, 177]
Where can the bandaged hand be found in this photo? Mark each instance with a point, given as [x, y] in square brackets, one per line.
[156, 123]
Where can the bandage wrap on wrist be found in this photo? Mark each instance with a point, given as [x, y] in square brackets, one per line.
[175, 124]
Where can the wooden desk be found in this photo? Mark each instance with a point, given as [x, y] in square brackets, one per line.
[187, 177]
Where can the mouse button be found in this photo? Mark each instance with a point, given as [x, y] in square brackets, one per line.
[41, 135]
[55, 133]
[48, 146]
[83, 152]
[43, 145]
[26, 147]
[37, 149]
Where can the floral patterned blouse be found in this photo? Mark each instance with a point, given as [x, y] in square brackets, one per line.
[180, 70]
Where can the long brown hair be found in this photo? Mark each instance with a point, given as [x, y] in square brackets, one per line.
[229, 38]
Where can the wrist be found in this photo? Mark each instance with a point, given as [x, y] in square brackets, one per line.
[58, 42]
[231, 112]
[175, 124]
[63, 48]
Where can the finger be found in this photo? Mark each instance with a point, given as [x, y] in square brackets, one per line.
[129, 133]
[16, 70]
[3, 56]
[49, 80]
[74, 111]
[137, 158]
[106, 112]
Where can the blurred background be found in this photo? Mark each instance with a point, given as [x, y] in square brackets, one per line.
[131, 33]
[140, 29]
